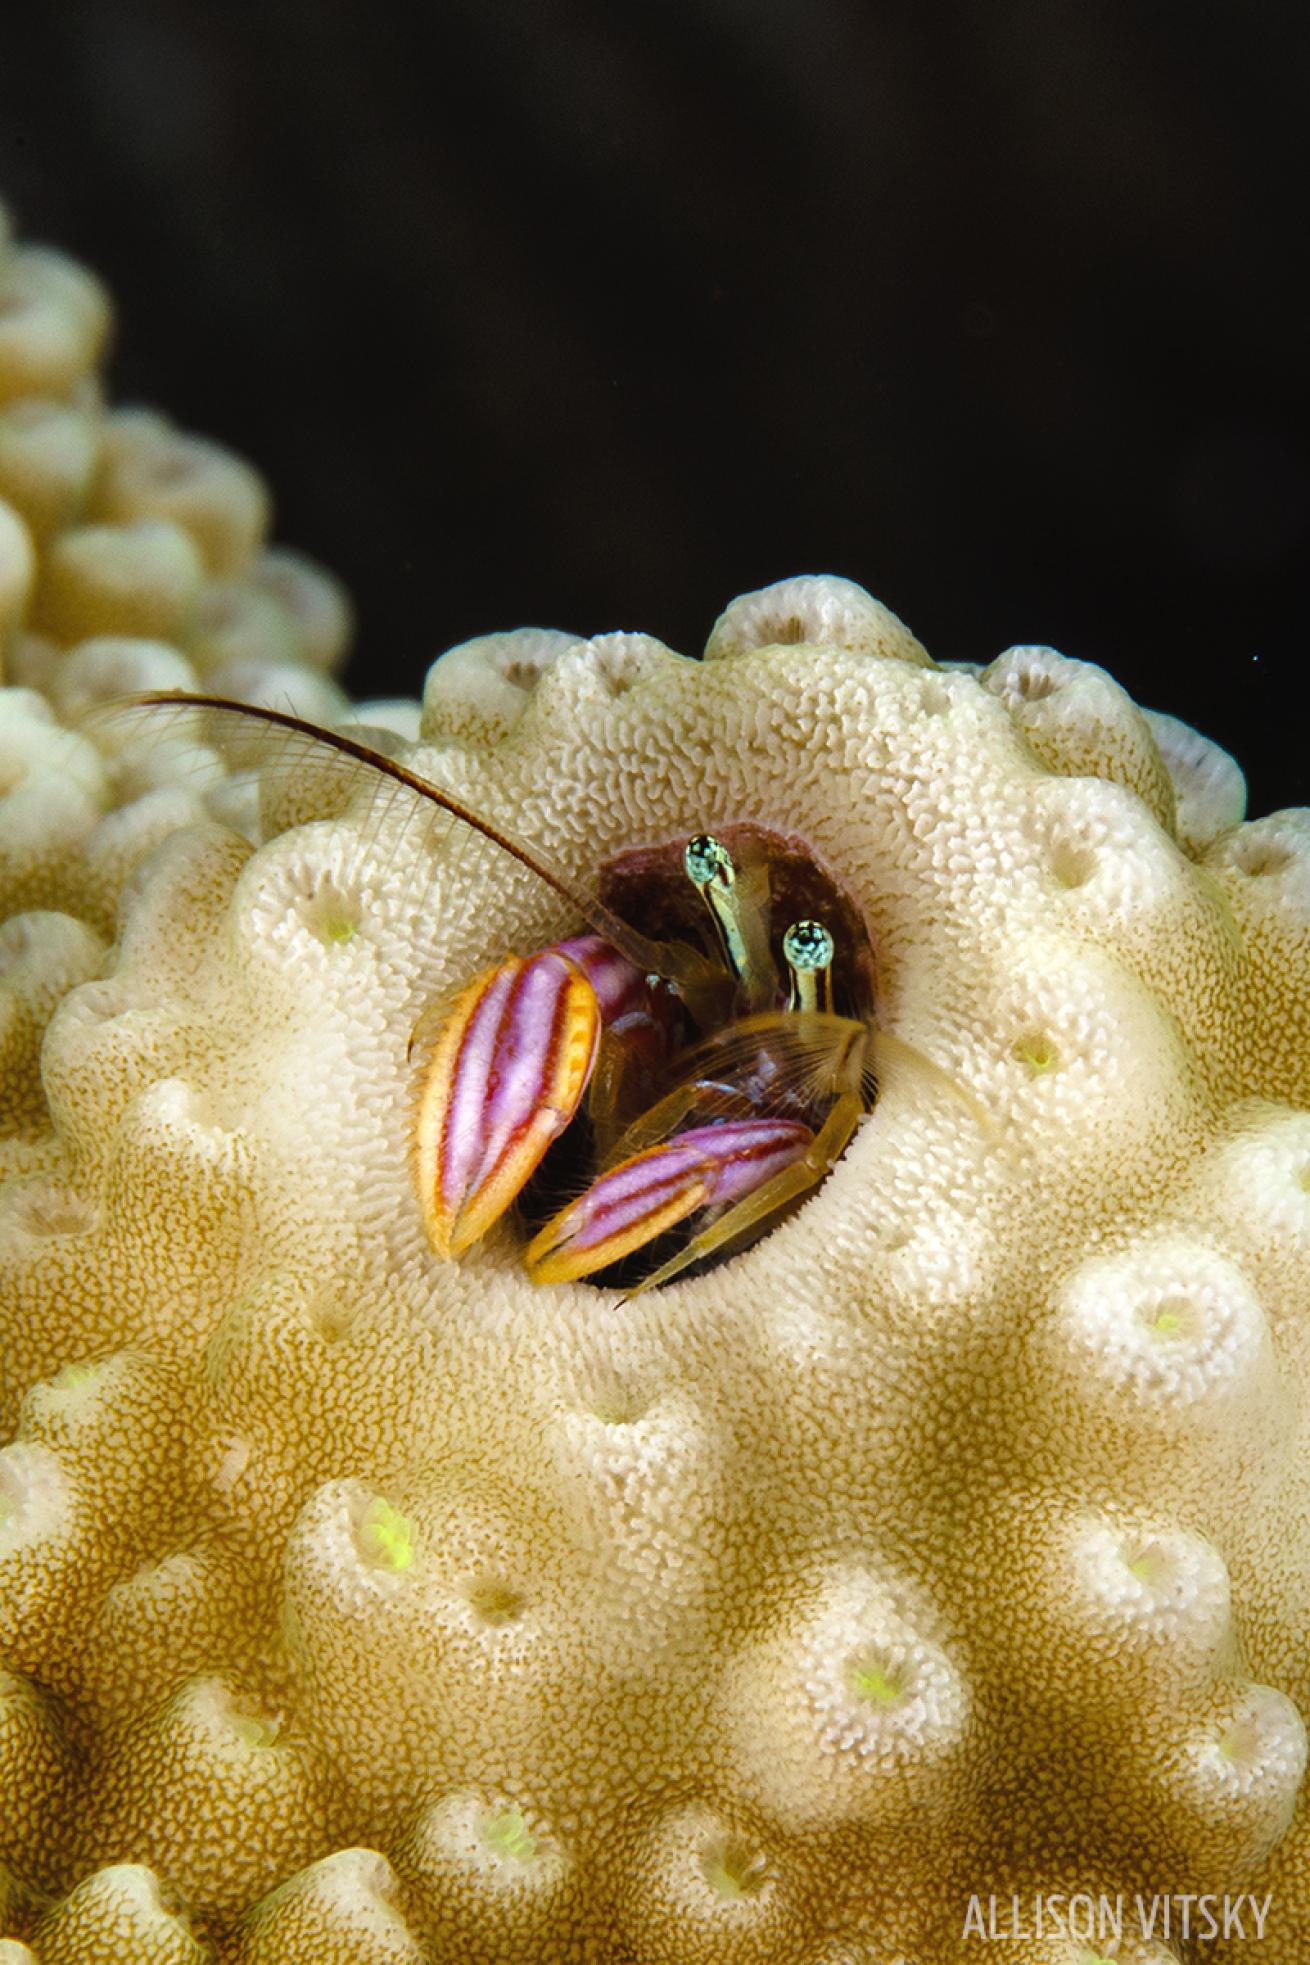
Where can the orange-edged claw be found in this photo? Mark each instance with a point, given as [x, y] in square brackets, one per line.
[506, 1074]
[654, 1190]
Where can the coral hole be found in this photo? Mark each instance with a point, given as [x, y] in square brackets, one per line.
[648, 887]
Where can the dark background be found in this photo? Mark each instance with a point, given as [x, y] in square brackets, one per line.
[595, 314]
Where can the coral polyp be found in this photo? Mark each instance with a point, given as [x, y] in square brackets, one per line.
[947, 1544]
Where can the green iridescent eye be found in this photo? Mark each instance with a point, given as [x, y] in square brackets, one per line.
[808, 950]
[706, 859]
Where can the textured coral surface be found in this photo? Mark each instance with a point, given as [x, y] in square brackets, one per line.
[952, 1541]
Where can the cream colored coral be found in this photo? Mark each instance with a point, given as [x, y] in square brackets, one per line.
[949, 1541]
[356, 1606]
[113, 522]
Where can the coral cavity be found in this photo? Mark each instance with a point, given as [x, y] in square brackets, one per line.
[950, 1543]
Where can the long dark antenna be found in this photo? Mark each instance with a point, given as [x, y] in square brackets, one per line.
[685, 967]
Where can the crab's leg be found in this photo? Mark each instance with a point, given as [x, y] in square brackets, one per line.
[748, 1066]
[804, 1172]
[631, 1063]
[634, 1202]
[663, 1118]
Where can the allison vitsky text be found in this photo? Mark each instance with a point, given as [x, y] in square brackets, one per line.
[1094, 1919]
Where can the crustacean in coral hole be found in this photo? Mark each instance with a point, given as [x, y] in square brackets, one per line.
[649, 1102]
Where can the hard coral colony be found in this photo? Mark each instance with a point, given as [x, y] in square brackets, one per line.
[361, 1604]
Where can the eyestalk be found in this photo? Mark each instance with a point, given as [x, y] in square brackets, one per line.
[740, 912]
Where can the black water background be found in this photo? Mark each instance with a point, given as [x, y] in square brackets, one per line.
[596, 315]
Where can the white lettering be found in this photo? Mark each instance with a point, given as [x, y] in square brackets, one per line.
[1145, 1924]
[1091, 1919]
[973, 1920]
[1080, 1926]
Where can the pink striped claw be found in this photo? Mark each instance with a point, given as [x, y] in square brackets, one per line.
[627, 1207]
[509, 1067]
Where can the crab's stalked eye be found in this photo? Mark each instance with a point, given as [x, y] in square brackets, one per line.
[739, 908]
[808, 951]
[708, 862]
